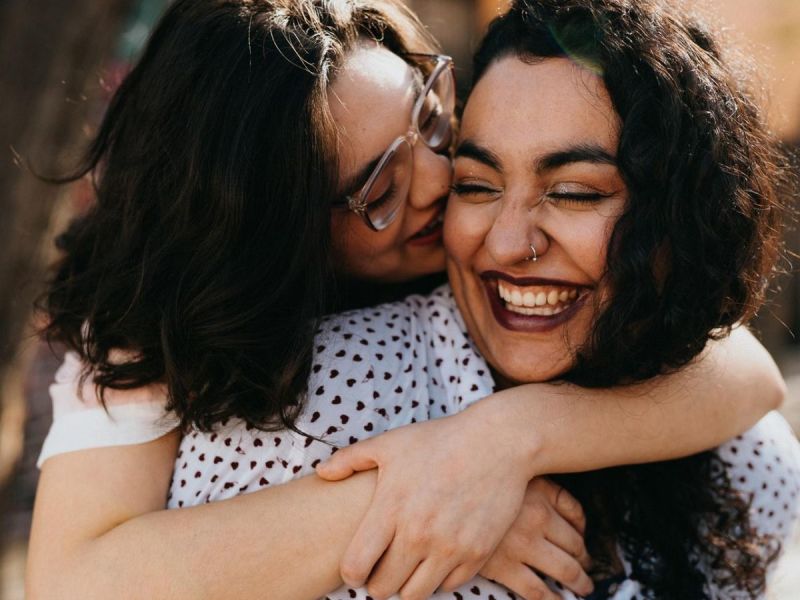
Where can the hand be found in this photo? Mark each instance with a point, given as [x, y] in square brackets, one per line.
[547, 537]
[436, 512]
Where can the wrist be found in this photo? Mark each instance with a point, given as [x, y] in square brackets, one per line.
[510, 420]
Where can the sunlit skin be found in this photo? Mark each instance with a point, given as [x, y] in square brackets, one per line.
[371, 101]
[535, 164]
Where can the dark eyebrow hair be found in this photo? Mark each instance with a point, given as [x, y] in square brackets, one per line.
[470, 149]
[357, 181]
[580, 153]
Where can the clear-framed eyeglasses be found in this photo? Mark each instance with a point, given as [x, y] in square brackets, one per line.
[386, 189]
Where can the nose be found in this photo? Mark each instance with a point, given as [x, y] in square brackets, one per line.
[431, 175]
[515, 233]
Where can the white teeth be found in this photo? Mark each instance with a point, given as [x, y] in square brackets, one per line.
[529, 299]
[530, 302]
[539, 311]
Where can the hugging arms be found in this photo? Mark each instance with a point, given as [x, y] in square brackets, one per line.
[101, 528]
[216, 272]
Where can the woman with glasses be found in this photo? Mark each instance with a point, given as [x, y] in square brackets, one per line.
[264, 164]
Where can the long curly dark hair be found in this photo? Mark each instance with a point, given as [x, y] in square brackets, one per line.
[688, 259]
[204, 262]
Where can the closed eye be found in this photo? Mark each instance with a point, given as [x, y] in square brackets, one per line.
[578, 197]
[472, 189]
[383, 198]
[576, 200]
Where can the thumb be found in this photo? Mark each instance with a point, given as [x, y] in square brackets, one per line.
[358, 457]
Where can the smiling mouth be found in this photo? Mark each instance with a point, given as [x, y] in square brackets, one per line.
[533, 304]
[542, 301]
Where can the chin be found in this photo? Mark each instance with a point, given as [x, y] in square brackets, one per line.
[537, 369]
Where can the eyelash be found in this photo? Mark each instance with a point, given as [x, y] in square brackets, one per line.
[586, 198]
[383, 198]
[471, 189]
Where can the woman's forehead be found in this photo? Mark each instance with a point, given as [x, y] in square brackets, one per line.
[371, 101]
[371, 67]
[518, 104]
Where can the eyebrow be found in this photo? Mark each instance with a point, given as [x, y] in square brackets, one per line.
[357, 181]
[476, 152]
[590, 153]
[580, 153]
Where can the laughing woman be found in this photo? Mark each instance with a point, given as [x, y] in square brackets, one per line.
[182, 287]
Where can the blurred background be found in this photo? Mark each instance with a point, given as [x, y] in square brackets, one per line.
[59, 63]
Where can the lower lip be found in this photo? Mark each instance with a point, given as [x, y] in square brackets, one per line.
[434, 237]
[530, 323]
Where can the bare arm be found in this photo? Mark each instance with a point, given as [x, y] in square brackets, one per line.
[508, 438]
[93, 536]
[721, 394]
[100, 531]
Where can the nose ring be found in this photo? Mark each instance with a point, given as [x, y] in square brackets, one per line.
[533, 257]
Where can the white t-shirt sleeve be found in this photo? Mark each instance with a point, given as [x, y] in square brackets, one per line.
[81, 422]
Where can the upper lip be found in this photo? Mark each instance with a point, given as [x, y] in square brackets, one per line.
[527, 281]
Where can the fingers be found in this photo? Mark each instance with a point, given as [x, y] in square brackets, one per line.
[549, 559]
[348, 460]
[393, 570]
[568, 507]
[522, 581]
[368, 544]
[423, 583]
[563, 534]
[459, 576]
[562, 501]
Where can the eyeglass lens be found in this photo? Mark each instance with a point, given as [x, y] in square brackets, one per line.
[390, 187]
[392, 180]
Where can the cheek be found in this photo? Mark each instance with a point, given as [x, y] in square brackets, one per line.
[465, 229]
[360, 252]
[586, 239]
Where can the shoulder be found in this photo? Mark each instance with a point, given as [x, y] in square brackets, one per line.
[764, 464]
[408, 326]
[81, 421]
[358, 339]
[368, 365]
[465, 375]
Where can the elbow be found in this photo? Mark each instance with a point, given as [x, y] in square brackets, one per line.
[778, 393]
[42, 588]
[769, 391]
[54, 578]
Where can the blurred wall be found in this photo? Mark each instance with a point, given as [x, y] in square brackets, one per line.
[769, 30]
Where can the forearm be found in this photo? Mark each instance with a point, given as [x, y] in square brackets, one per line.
[282, 542]
[285, 543]
[565, 428]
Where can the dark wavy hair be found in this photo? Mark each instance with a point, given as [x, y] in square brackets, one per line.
[688, 259]
[204, 263]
